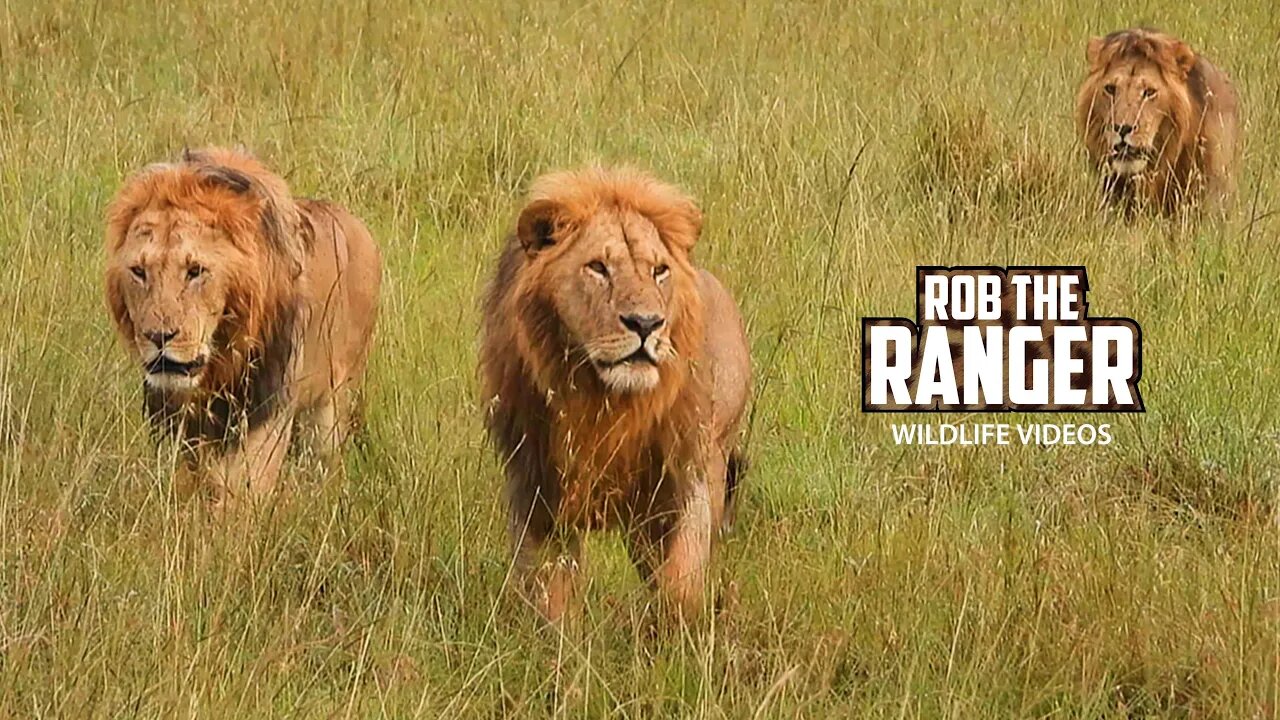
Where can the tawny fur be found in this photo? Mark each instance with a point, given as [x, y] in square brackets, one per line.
[1179, 100]
[580, 454]
[284, 306]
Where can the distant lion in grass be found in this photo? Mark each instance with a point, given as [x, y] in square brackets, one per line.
[1159, 121]
[616, 374]
[245, 309]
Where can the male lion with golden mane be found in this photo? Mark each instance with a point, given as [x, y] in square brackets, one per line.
[1160, 121]
[616, 374]
[246, 309]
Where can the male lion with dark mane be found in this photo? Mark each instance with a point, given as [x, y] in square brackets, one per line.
[616, 374]
[246, 309]
[1160, 121]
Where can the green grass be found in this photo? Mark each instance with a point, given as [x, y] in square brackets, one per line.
[1137, 580]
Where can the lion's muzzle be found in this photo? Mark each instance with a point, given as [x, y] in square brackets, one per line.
[1129, 160]
[1127, 157]
[163, 365]
[165, 373]
[642, 325]
[628, 362]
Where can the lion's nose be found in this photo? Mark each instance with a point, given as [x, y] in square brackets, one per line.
[160, 338]
[642, 325]
[1124, 131]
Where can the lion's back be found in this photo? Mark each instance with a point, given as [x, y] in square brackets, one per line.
[729, 354]
[342, 286]
[1220, 128]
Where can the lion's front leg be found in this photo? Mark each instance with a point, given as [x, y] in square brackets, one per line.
[717, 489]
[547, 559]
[682, 577]
[548, 569]
[334, 420]
[248, 473]
[188, 479]
[670, 545]
[329, 428]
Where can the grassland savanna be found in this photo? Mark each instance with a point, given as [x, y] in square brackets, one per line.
[833, 147]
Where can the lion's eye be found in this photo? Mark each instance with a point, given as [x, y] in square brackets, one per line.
[1109, 88]
[194, 272]
[1149, 93]
[139, 272]
[660, 272]
[598, 268]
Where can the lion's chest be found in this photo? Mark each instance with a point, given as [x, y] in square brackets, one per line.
[600, 470]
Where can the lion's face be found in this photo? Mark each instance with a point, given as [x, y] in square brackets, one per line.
[170, 277]
[1134, 101]
[1134, 107]
[612, 290]
[600, 292]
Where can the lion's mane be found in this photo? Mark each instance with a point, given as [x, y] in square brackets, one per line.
[254, 344]
[549, 411]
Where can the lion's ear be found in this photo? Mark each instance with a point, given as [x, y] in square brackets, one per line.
[1184, 57]
[538, 226]
[274, 223]
[119, 311]
[120, 215]
[1093, 51]
[683, 226]
[225, 177]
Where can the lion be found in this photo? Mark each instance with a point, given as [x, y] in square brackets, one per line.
[246, 310]
[616, 374]
[1159, 121]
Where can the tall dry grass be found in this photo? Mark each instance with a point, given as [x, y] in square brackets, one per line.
[1137, 580]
